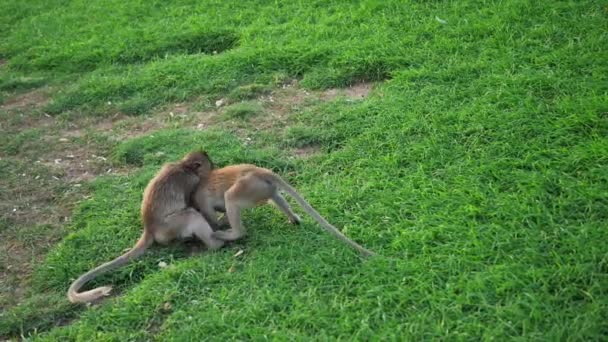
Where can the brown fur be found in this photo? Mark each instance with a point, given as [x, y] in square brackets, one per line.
[236, 187]
[166, 216]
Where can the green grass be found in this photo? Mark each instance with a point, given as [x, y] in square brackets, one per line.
[477, 167]
[249, 92]
[243, 110]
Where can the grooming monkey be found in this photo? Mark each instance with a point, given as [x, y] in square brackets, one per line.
[166, 216]
[236, 187]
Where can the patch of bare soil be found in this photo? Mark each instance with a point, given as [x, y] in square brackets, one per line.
[77, 164]
[278, 106]
[356, 91]
[33, 212]
[20, 252]
[305, 152]
[32, 99]
[39, 191]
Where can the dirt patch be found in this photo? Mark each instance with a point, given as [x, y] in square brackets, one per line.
[32, 99]
[278, 106]
[175, 115]
[307, 151]
[77, 165]
[19, 255]
[284, 101]
[360, 90]
[179, 108]
[41, 185]
[356, 91]
[34, 206]
[79, 127]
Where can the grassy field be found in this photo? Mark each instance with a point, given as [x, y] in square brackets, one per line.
[466, 142]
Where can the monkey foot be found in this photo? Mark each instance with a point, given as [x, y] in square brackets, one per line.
[223, 222]
[295, 220]
[225, 235]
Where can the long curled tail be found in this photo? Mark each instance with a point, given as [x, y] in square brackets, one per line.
[315, 215]
[88, 296]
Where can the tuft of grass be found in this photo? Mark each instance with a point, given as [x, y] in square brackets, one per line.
[302, 136]
[21, 141]
[243, 110]
[248, 92]
[207, 42]
[135, 106]
[17, 83]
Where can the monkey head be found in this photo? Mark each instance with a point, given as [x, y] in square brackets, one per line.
[198, 162]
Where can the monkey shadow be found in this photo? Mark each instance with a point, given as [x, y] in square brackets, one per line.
[188, 247]
[192, 246]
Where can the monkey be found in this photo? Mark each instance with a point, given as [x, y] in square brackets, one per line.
[236, 187]
[166, 216]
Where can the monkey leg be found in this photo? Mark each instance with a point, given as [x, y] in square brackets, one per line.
[223, 222]
[209, 213]
[246, 192]
[190, 222]
[280, 202]
[205, 233]
[236, 231]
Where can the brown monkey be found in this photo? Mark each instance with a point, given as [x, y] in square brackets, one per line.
[165, 215]
[236, 187]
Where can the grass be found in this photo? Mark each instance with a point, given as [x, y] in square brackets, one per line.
[476, 167]
[243, 110]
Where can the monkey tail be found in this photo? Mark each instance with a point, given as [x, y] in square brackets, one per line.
[88, 296]
[315, 215]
